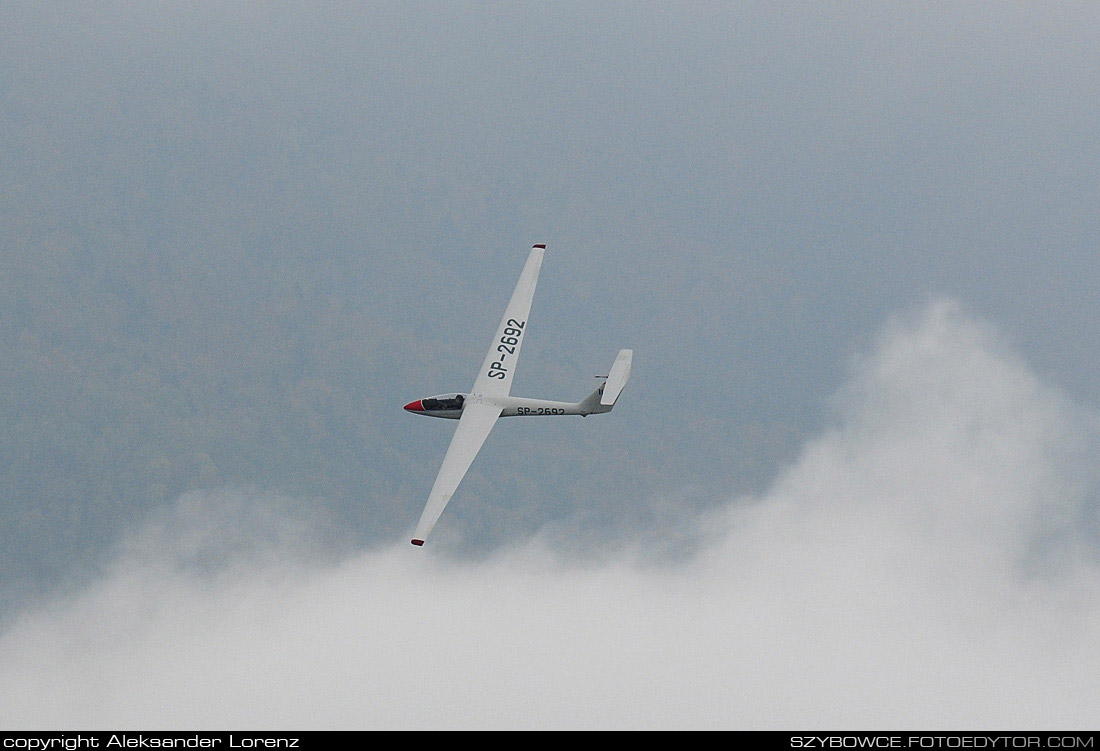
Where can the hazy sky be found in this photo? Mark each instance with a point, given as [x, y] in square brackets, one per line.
[850, 483]
[919, 567]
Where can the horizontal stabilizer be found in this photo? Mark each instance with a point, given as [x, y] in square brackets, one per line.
[617, 378]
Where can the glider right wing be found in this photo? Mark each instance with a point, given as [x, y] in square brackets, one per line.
[495, 376]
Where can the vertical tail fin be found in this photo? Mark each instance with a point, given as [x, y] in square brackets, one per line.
[617, 378]
[603, 399]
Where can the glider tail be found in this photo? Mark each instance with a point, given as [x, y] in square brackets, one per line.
[616, 378]
[604, 398]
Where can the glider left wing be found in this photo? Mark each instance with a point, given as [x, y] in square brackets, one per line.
[478, 418]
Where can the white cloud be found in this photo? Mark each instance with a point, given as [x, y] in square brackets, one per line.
[922, 565]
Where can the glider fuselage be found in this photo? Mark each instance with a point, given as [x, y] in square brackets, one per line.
[449, 406]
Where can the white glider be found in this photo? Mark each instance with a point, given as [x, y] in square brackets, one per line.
[477, 412]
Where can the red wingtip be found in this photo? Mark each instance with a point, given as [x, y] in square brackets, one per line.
[539, 245]
[416, 406]
[418, 542]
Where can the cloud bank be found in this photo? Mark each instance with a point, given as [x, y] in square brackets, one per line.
[928, 563]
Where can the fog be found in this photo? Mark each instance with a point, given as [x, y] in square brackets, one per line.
[927, 561]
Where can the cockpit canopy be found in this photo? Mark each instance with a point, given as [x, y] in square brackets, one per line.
[443, 403]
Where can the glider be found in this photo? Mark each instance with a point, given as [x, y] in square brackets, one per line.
[477, 411]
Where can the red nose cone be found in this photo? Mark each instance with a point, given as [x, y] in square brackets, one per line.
[415, 406]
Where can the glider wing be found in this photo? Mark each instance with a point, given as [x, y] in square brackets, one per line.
[473, 428]
[495, 376]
